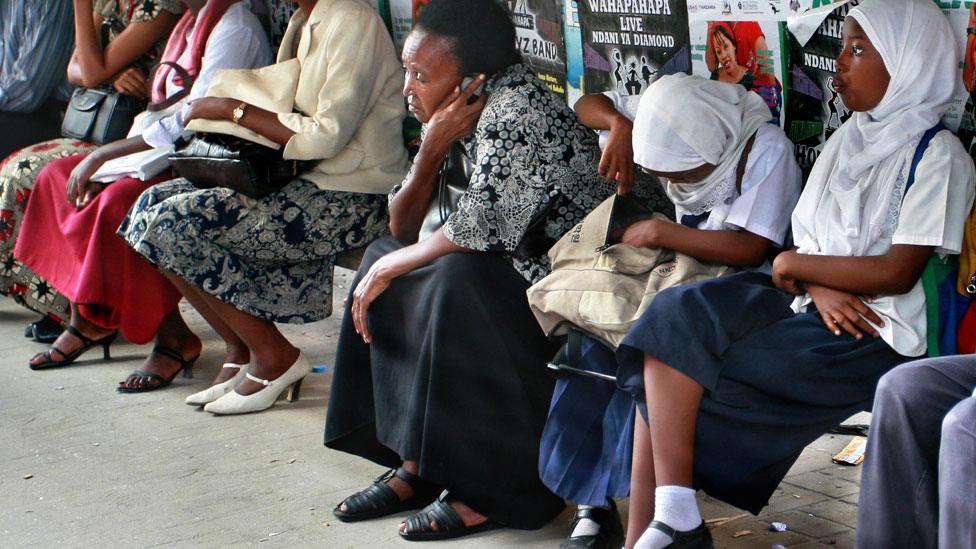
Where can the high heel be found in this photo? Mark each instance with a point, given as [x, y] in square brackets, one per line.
[236, 403]
[214, 392]
[186, 366]
[87, 343]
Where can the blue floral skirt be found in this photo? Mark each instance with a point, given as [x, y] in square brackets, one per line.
[270, 257]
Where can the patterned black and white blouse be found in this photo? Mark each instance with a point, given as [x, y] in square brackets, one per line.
[529, 150]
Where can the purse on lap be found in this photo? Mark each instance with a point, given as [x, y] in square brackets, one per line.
[216, 160]
[99, 116]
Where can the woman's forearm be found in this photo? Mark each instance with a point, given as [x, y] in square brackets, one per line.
[895, 272]
[423, 253]
[119, 148]
[409, 205]
[87, 58]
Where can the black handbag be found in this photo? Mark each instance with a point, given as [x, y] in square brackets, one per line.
[99, 116]
[215, 160]
[452, 182]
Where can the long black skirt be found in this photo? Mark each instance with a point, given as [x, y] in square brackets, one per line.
[454, 379]
[774, 380]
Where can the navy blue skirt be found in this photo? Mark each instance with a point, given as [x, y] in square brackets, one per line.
[774, 381]
[586, 447]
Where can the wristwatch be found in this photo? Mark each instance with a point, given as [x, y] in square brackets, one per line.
[238, 113]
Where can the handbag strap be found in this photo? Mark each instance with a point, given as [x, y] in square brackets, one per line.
[176, 97]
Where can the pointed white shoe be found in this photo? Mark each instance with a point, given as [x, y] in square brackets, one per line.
[214, 392]
[236, 403]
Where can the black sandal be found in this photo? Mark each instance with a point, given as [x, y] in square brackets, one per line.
[86, 343]
[186, 366]
[449, 523]
[610, 535]
[379, 500]
[699, 538]
[44, 330]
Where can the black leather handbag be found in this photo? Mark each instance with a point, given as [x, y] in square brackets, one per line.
[452, 182]
[99, 116]
[215, 160]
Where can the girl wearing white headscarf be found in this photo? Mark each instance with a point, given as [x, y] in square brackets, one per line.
[743, 372]
[696, 135]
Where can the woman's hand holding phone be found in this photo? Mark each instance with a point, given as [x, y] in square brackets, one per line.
[458, 115]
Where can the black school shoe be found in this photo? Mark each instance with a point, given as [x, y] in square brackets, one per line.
[610, 536]
[699, 538]
[44, 330]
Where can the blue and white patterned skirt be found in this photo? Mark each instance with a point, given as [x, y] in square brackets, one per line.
[270, 257]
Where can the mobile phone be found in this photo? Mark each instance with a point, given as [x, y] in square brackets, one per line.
[477, 92]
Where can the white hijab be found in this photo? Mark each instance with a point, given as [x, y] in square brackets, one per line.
[853, 194]
[685, 121]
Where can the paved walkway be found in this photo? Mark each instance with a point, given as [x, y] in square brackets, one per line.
[82, 466]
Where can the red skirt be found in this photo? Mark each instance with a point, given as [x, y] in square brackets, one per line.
[79, 254]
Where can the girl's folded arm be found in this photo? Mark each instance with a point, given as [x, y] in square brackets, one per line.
[895, 272]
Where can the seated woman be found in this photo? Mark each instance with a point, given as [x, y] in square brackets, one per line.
[70, 242]
[740, 373]
[136, 32]
[440, 371]
[246, 263]
[733, 212]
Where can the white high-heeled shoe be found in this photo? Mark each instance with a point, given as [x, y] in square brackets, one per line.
[236, 403]
[214, 392]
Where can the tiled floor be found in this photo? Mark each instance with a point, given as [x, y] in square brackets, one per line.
[82, 466]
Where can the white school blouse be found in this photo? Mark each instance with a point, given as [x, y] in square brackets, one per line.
[933, 213]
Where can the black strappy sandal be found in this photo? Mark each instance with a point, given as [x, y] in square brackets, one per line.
[379, 500]
[449, 523]
[699, 538]
[86, 342]
[157, 381]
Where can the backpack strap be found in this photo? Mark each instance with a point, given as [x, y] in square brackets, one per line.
[923, 144]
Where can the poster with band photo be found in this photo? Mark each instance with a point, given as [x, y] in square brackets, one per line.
[539, 38]
[815, 110]
[627, 44]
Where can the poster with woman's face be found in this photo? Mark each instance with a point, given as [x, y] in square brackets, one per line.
[748, 53]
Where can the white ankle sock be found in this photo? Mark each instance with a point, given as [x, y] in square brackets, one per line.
[676, 507]
[586, 527]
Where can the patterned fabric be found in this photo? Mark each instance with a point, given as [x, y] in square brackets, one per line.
[35, 44]
[280, 13]
[118, 14]
[17, 175]
[271, 258]
[533, 159]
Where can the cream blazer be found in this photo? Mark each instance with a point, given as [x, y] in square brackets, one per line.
[337, 84]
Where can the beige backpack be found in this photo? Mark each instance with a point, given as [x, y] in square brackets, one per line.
[603, 287]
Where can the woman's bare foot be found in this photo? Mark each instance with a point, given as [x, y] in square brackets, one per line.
[173, 334]
[68, 343]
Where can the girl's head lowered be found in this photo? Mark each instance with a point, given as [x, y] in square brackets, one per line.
[691, 131]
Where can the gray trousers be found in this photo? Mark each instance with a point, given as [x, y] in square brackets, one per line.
[918, 488]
